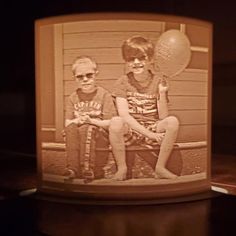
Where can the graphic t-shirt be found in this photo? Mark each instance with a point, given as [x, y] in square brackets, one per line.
[142, 101]
[98, 104]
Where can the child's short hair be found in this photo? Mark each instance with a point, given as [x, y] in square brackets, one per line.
[83, 60]
[137, 46]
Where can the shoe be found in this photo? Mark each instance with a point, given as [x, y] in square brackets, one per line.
[88, 175]
[69, 174]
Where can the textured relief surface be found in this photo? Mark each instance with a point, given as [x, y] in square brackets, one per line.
[194, 161]
[54, 162]
[181, 162]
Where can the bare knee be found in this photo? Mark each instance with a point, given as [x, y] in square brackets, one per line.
[116, 124]
[172, 123]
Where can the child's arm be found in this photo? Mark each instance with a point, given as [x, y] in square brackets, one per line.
[77, 121]
[162, 102]
[100, 123]
[86, 119]
[68, 122]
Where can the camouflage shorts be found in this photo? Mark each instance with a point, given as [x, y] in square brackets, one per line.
[132, 137]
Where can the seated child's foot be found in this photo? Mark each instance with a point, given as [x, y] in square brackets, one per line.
[121, 174]
[163, 173]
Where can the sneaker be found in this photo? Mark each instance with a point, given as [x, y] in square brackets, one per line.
[69, 174]
[88, 175]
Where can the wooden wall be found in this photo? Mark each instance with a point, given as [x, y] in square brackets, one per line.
[102, 40]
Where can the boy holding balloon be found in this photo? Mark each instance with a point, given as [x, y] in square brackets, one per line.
[142, 103]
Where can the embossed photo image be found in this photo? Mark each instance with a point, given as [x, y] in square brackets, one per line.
[123, 104]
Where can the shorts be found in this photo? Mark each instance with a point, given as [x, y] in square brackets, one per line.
[132, 137]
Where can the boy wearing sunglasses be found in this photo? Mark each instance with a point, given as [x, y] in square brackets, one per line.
[88, 113]
[142, 104]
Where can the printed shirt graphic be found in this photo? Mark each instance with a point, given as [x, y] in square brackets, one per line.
[142, 101]
[90, 108]
[98, 104]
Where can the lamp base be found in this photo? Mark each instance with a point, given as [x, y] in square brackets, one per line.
[72, 200]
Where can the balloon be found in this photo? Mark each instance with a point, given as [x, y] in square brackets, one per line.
[172, 53]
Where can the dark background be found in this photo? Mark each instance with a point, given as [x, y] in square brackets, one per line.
[23, 216]
[17, 90]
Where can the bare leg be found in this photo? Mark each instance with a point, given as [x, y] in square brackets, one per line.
[170, 125]
[116, 136]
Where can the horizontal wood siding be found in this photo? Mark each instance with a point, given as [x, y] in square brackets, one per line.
[187, 103]
[199, 60]
[187, 88]
[101, 55]
[109, 71]
[106, 71]
[192, 133]
[112, 25]
[103, 39]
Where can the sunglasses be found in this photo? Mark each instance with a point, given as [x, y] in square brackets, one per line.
[140, 58]
[88, 75]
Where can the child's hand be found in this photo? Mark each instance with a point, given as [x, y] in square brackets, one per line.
[163, 86]
[87, 119]
[157, 137]
[80, 120]
[160, 137]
